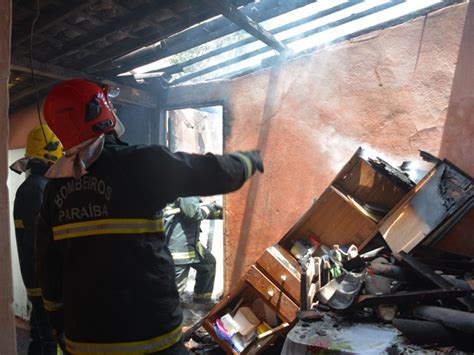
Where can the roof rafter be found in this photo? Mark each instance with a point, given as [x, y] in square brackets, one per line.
[312, 31]
[246, 23]
[127, 95]
[396, 21]
[117, 50]
[176, 68]
[261, 11]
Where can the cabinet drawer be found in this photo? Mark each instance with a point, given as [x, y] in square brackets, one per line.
[282, 304]
[282, 269]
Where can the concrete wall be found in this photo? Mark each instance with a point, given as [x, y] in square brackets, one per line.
[398, 90]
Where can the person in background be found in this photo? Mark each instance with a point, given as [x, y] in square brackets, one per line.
[42, 150]
[106, 273]
[182, 229]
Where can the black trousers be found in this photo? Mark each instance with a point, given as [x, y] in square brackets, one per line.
[42, 340]
[205, 275]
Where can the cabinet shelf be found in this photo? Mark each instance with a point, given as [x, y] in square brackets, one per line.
[253, 286]
[333, 219]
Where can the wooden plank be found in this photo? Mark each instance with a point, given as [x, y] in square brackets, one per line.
[47, 70]
[428, 274]
[246, 23]
[7, 317]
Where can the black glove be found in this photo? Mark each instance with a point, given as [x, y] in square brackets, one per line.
[256, 159]
[216, 210]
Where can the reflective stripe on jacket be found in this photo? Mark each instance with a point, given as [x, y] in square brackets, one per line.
[101, 248]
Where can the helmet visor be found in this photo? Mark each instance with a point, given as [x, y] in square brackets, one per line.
[109, 92]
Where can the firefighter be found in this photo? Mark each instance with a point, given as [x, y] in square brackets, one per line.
[42, 150]
[182, 229]
[106, 273]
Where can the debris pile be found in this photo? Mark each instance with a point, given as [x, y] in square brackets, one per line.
[377, 255]
[426, 295]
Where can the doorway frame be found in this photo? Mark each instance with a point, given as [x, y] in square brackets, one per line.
[163, 140]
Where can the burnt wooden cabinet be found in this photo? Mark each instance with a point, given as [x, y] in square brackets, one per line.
[367, 198]
[347, 212]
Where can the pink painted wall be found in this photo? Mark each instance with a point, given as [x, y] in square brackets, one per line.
[396, 91]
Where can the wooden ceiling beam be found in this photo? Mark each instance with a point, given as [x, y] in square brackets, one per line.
[128, 95]
[233, 14]
[198, 35]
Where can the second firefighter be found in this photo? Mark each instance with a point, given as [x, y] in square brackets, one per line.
[182, 228]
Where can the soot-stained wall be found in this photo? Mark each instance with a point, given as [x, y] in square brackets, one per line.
[396, 91]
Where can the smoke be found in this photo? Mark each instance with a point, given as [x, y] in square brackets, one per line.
[338, 148]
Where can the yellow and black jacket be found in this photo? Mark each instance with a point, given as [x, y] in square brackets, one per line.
[102, 260]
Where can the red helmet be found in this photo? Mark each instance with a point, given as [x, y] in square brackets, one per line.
[77, 110]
